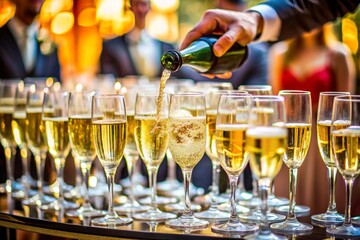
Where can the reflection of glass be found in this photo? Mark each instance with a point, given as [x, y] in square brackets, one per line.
[298, 122]
[151, 136]
[109, 127]
[266, 143]
[231, 125]
[325, 146]
[54, 115]
[345, 136]
[35, 138]
[82, 145]
[7, 105]
[187, 140]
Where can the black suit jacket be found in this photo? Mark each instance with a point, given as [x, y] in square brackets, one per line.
[116, 59]
[12, 65]
[298, 16]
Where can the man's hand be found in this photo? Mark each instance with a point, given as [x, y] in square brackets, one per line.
[241, 27]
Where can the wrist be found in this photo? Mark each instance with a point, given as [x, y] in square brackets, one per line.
[259, 22]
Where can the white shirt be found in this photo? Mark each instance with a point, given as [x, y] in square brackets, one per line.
[25, 37]
[145, 52]
[272, 22]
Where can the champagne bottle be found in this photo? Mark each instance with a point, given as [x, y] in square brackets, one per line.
[199, 55]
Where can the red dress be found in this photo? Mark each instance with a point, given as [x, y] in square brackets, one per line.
[322, 80]
[312, 184]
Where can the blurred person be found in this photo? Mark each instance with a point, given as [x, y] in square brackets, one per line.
[315, 62]
[21, 56]
[136, 52]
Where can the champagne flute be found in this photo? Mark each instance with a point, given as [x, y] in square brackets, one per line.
[54, 115]
[18, 128]
[152, 137]
[35, 138]
[7, 105]
[266, 144]
[108, 119]
[298, 123]
[345, 135]
[257, 89]
[231, 125]
[187, 141]
[82, 145]
[331, 216]
[131, 155]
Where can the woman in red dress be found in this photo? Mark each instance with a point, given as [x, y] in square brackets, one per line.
[314, 62]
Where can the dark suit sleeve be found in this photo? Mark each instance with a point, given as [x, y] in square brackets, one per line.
[298, 16]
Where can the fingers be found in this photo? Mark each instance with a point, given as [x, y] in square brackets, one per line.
[222, 76]
[207, 25]
[225, 42]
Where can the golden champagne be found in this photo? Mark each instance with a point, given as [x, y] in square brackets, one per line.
[347, 151]
[230, 145]
[164, 77]
[151, 136]
[7, 136]
[210, 135]
[266, 147]
[57, 136]
[110, 141]
[299, 136]
[130, 152]
[18, 128]
[81, 138]
[187, 140]
[35, 131]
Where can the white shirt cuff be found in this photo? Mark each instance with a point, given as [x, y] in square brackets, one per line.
[272, 22]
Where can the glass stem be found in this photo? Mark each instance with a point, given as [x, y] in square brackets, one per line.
[263, 192]
[233, 185]
[59, 163]
[110, 181]
[85, 169]
[152, 185]
[187, 178]
[348, 189]
[24, 152]
[215, 183]
[40, 165]
[332, 180]
[171, 171]
[9, 168]
[292, 193]
[131, 170]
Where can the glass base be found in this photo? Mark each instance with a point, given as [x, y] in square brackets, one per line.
[213, 214]
[57, 205]
[85, 213]
[255, 216]
[21, 194]
[130, 208]
[291, 226]
[344, 230]
[38, 201]
[139, 191]
[234, 229]
[299, 210]
[187, 224]
[356, 220]
[111, 221]
[207, 199]
[277, 201]
[54, 188]
[159, 200]
[262, 235]
[179, 207]
[328, 218]
[226, 207]
[251, 203]
[154, 215]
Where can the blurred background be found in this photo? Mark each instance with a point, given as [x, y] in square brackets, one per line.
[78, 28]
